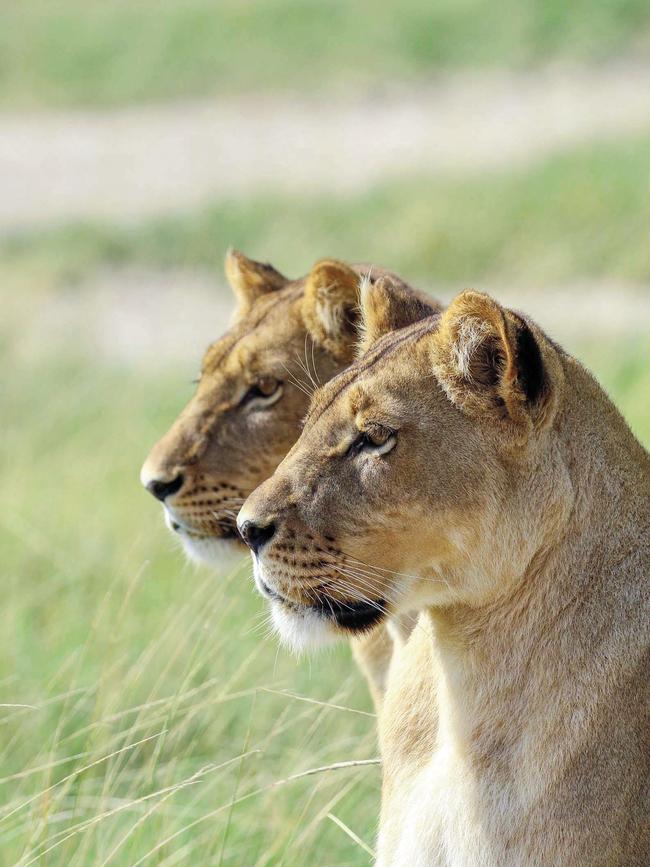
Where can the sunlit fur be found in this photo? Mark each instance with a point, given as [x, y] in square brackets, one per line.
[514, 512]
[299, 332]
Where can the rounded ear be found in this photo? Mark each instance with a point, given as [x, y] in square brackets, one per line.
[249, 280]
[330, 307]
[388, 304]
[492, 362]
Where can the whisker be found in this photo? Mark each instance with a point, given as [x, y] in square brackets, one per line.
[412, 619]
[313, 362]
[293, 379]
[309, 374]
[312, 374]
[381, 569]
[299, 383]
[218, 520]
[355, 592]
[358, 597]
[361, 580]
[305, 368]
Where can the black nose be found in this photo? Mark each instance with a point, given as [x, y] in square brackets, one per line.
[162, 490]
[256, 536]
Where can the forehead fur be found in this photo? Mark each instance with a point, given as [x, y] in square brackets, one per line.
[270, 315]
[360, 378]
[270, 318]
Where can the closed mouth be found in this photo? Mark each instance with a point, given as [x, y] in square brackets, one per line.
[270, 593]
[357, 616]
[226, 531]
[230, 532]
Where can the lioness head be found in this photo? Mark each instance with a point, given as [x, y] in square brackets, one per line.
[425, 474]
[254, 389]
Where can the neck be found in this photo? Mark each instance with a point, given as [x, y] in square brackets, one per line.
[519, 725]
[532, 668]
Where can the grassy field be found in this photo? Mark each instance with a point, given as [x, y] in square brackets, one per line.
[143, 713]
[90, 52]
[146, 717]
[582, 214]
[145, 680]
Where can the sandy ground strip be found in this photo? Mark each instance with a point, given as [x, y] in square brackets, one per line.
[157, 319]
[137, 162]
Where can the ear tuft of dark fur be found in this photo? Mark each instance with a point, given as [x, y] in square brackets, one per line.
[530, 367]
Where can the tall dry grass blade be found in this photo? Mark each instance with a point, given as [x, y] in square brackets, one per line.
[317, 702]
[351, 834]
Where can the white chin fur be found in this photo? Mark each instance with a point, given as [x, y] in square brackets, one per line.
[207, 551]
[301, 630]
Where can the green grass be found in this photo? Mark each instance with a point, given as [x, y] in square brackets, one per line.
[113, 639]
[146, 678]
[584, 214]
[76, 52]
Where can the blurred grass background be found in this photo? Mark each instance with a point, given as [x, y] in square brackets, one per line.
[146, 716]
[75, 52]
[578, 214]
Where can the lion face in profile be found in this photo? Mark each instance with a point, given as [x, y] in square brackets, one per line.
[256, 381]
[409, 487]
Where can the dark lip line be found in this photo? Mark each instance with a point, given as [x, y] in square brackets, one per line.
[188, 531]
[270, 593]
[353, 616]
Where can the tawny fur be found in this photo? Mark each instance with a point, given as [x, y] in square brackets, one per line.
[297, 332]
[514, 512]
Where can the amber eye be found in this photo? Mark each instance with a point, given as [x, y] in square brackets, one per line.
[267, 386]
[266, 390]
[377, 439]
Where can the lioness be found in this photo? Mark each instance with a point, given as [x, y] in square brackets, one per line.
[254, 389]
[467, 466]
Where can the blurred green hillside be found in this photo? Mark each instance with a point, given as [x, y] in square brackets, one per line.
[90, 52]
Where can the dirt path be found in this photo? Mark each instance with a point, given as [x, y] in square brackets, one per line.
[133, 163]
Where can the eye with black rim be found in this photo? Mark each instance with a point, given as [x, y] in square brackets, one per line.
[264, 392]
[376, 439]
